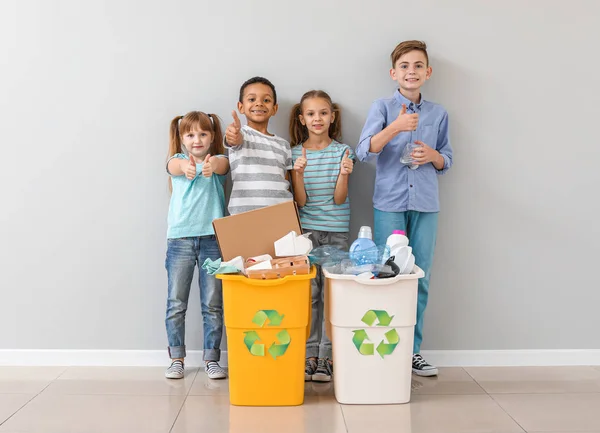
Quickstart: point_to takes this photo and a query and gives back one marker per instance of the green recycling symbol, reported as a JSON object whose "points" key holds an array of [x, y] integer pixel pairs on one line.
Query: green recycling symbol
{"points": [[361, 338], [283, 337]]}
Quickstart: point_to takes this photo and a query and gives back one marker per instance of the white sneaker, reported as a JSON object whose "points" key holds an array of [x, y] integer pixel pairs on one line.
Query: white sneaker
{"points": [[214, 370], [175, 371], [420, 367]]}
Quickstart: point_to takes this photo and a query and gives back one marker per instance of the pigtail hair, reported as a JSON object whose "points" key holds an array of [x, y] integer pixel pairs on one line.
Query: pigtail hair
{"points": [[216, 146], [174, 143], [335, 129], [174, 137], [298, 132]]}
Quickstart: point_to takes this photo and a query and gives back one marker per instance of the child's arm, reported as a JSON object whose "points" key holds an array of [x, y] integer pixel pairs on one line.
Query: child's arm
{"points": [[404, 122], [441, 155], [233, 134], [220, 164], [215, 164], [180, 167], [298, 179], [376, 135], [341, 187]]}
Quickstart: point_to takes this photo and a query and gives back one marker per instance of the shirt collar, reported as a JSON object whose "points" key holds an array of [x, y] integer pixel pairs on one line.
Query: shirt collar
{"points": [[410, 106]]}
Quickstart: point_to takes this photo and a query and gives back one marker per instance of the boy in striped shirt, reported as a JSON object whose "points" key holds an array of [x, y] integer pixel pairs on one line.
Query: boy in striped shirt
{"points": [[259, 161]]}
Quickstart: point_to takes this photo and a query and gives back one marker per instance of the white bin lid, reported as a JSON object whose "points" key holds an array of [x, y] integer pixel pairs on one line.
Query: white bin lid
{"points": [[416, 274]]}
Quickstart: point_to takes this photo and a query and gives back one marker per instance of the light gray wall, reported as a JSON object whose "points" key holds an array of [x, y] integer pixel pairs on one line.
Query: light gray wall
{"points": [[88, 90]]}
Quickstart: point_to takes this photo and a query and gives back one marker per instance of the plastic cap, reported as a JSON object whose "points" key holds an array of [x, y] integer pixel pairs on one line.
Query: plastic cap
{"points": [[365, 232], [399, 232]]}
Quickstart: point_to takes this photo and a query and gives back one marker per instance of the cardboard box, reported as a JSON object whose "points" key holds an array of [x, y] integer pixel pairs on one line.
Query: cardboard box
{"points": [[253, 233], [279, 268]]}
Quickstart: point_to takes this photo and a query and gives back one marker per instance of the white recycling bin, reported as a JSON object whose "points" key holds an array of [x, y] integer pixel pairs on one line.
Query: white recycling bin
{"points": [[371, 326]]}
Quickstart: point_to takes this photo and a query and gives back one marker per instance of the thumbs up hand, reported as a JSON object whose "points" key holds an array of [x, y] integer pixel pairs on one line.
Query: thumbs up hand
{"points": [[207, 168], [301, 162], [232, 133], [190, 169], [347, 164], [406, 122]]}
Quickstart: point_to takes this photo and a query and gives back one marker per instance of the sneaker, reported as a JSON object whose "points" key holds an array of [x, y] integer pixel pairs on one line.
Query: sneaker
{"points": [[214, 370], [324, 371], [175, 371], [309, 369], [420, 367]]}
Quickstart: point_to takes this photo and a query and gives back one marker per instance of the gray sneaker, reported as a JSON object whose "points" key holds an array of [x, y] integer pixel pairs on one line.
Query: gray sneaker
{"points": [[214, 370], [175, 371], [309, 369], [324, 371]]}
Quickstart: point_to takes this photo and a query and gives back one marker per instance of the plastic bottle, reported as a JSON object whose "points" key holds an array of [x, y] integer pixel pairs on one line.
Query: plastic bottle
{"points": [[363, 250], [396, 241]]}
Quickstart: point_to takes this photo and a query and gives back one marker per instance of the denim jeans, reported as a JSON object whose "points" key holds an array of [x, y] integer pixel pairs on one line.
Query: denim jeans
{"points": [[421, 229], [183, 255], [318, 344]]}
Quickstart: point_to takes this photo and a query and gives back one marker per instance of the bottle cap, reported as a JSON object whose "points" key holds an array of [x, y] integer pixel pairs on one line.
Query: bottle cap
{"points": [[365, 232]]}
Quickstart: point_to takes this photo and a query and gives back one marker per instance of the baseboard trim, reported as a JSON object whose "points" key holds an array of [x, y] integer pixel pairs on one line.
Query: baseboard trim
{"points": [[509, 358], [159, 358], [104, 358]]}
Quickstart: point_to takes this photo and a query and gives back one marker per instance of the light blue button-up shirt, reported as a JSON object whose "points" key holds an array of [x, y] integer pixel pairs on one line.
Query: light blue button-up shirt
{"points": [[397, 187]]}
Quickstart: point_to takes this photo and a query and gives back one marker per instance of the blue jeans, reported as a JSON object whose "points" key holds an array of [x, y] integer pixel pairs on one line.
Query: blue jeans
{"points": [[183, 255], [318, 344], [421, 229]]}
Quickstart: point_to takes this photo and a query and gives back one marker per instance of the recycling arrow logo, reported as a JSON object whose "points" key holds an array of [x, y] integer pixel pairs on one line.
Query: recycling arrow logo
{"points": [[363, 343], [251, 338]]}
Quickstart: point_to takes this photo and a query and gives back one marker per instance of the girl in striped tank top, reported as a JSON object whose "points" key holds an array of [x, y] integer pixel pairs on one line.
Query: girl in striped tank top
{"points": [[322, 167]]}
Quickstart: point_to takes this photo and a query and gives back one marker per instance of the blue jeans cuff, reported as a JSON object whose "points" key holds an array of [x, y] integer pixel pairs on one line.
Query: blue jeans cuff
{"points": [[325, 352], [211, 354], [312, 351], [176, 352]]}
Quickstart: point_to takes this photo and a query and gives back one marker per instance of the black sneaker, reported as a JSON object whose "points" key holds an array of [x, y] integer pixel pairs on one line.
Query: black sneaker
{"points": [[324, 371], [420, 367], [309, 369]]}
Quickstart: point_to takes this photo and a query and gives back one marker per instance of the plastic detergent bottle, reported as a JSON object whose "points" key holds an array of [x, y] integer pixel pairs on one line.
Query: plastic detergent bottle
{"points": [[395, 242], [363, 250]]}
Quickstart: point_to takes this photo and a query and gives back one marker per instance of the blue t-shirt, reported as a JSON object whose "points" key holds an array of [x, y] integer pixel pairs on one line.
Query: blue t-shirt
{"points": [[320, 178], [195, 203]]}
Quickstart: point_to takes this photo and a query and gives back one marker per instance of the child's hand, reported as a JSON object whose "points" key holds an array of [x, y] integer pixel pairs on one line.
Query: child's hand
{"points": [[207, 168], [190, 169], [406, 122], [424, 154], [347, 165], [232, 133], [301, 162]]}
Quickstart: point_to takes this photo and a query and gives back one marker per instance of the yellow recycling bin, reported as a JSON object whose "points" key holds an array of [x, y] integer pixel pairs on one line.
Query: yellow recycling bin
{"points": [[267, 324]]}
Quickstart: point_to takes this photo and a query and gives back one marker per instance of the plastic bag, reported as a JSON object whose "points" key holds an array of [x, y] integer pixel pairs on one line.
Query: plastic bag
{"points": [[337, 261], [327, 255]]}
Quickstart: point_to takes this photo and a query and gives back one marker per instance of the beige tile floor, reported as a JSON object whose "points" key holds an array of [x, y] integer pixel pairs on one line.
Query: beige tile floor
{"points": [[98, 399]]}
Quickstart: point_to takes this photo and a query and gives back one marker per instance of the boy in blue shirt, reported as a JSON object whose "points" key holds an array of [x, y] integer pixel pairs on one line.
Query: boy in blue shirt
{"points": [[406, 196]]}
